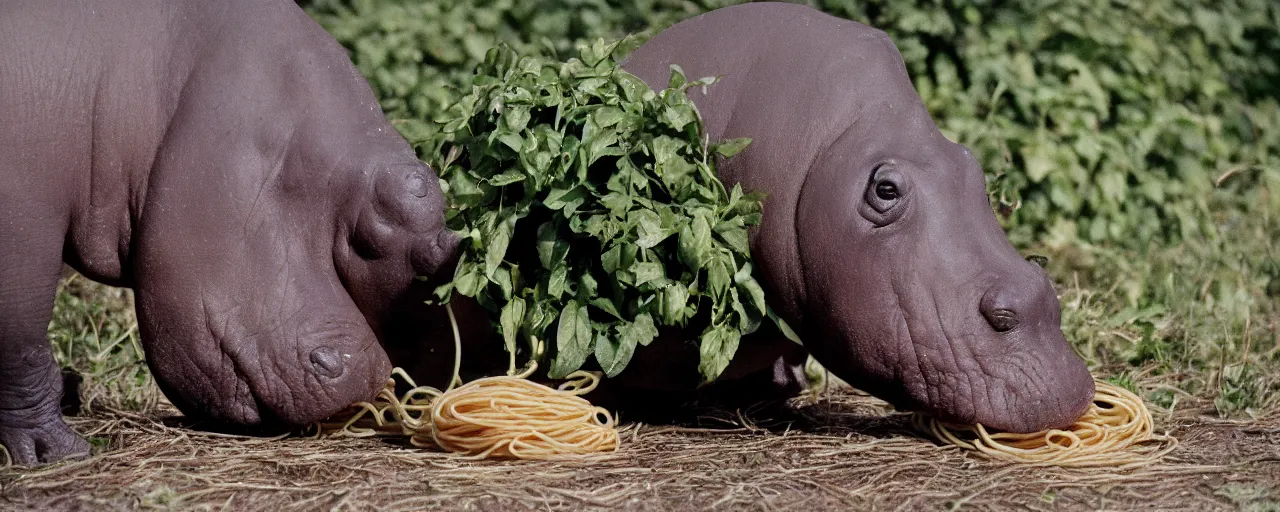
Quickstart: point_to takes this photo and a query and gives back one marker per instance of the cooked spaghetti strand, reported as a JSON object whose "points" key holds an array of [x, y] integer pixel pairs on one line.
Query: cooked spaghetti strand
{"points": [[1116, 431], [508, 417]]}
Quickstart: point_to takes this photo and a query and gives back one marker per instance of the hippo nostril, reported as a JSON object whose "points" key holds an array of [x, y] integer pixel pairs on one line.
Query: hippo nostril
{"points": [[1002, 320], [1009, 301], [327, 362]]}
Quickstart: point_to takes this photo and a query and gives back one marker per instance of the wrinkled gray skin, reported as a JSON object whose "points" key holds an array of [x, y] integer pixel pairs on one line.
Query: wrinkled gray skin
{"points": [[226, 161], [878, 242]]}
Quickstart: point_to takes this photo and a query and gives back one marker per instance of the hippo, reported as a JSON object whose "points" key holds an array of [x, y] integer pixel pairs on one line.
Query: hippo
{"points": [[227, 162], [878, 243]]}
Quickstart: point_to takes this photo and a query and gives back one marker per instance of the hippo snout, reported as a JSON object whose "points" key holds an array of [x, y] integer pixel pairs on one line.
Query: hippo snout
{"points": [[1034, 378], [338, 362], [327, 362], [1007, 301], [1056, 401]]}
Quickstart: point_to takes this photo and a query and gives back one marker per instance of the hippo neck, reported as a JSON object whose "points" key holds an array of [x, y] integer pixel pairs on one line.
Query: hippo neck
{"points": [[135, 71]]}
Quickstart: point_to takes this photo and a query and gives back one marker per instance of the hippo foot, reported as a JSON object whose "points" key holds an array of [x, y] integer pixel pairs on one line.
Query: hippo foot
{"points": [[47, 440]]}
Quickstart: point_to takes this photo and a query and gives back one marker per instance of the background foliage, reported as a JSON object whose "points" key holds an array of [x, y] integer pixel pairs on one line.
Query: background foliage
{"points": [[1112, 116]]}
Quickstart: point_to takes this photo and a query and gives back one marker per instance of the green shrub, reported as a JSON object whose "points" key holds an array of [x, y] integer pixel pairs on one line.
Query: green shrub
{"points": [[1113, 117], [416, 54], [591, 214]]}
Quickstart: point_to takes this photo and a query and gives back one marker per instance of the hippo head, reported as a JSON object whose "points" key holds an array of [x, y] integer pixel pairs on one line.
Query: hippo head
{"points": [[286, 224], [281, 316], [877, 243], [913, 291]]}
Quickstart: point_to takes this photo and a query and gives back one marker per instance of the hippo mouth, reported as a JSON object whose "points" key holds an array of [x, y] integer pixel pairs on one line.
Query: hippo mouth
{"points": [[285, 375], [1007, 393], [1020, 381], [956, 367], [335, 367]]}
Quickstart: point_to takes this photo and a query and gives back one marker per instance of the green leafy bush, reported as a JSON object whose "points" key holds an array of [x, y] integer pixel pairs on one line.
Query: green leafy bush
{"points": [[417, 54], [591, 213], [1110, 117]]}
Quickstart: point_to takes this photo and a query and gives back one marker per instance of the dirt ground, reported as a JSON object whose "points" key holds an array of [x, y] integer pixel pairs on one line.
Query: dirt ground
{"points": [[841, 452]]}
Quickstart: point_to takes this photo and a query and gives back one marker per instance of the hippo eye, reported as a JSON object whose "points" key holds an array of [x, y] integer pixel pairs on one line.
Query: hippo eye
{"points": [[886, 191]]}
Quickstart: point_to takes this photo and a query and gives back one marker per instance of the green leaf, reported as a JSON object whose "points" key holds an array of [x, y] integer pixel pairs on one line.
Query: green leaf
{"points": [[695, 242], [607, 116], [506, 178], [556, 284], [736, 238], [718, 275], [649, 230], [464, 190], [551, 248], [678, 116], [784, 328], [665, 149], [587, 285], [512, 140], [565, 199], [573, 340], [496, 245], [645, 271], [754, 293], [633, 88], [469, 279], [642, 330], [617, 203], [506, 284], [602, 144], [674, 299], [716, 348], [677, 79], [511, 320], [606, 305], [730, 147], [516, 118], [613, 354], [678, 174], [611, 258]]}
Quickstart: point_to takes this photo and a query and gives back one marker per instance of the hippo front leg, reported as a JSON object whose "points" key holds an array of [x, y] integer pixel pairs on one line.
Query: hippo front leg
{"points": [[31, 424]]}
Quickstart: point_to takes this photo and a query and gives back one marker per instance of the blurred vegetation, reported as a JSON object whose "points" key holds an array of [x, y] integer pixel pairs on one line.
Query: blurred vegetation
{"points": [[1134, 143], [94, 331], [416, 54], [1116, 116]]}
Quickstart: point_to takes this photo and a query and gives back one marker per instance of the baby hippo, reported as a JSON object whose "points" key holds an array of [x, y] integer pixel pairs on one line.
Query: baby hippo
{"points": [[227, 162], [878, 243]]}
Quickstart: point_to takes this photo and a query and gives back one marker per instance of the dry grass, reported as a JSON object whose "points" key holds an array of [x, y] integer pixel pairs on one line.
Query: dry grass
{"points": [[845, 451]]}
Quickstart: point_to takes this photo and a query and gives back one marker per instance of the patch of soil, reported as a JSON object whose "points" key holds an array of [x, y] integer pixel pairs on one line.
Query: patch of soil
{"points": [[844, 451]]}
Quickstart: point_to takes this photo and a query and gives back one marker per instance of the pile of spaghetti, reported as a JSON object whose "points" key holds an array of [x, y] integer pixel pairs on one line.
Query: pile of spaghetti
{"points": [[505, 417], [1116, 431]]}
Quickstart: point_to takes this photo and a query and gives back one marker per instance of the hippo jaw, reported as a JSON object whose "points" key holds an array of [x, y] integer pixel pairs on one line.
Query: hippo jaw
{"points": [[915, 295], [285, 347], [326, 366]]}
